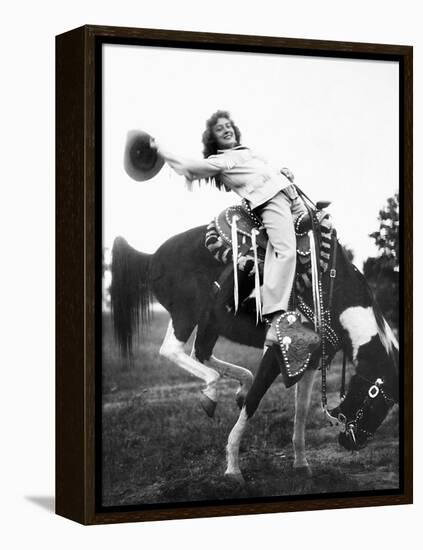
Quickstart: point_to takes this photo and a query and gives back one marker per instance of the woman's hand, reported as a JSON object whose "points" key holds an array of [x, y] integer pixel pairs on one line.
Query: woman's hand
{"points": [[156, 146], [153, 144], [288, 174]]}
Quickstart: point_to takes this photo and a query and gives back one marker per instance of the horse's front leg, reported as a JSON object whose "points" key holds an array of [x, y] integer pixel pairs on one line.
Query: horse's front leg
{"points": [[232, 449], [267, 372], [202, 349], [302, 405], [241, 374], [173, 349]]}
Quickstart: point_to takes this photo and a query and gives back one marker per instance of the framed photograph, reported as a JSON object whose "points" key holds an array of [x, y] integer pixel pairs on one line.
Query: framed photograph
{"points": [[234, 274]]}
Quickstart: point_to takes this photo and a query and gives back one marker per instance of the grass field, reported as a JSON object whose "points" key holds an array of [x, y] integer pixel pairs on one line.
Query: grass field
{"points": [[159, 445]]}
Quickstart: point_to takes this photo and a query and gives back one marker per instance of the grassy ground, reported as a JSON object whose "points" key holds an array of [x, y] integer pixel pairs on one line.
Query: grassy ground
{"points": [[159, 446]]}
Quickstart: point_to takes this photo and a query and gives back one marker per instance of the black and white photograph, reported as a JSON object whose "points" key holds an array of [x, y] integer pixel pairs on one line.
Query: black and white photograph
{"points": [[211, 260], [251, 301]]}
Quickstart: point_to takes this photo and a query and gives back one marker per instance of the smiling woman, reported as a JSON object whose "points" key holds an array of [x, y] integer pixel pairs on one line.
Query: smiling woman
{"points": [[270, 195], [221, 131]]}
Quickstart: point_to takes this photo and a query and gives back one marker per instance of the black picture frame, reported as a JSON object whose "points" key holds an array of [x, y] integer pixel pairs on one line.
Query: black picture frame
{"points": [[78, 275]]}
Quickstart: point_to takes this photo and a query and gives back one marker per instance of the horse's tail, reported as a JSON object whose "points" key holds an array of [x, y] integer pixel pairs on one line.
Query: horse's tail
{"points": [[130, 292]]}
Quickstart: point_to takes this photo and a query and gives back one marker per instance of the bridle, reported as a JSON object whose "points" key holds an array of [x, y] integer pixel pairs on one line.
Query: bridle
{"points": [[320, 317], [351, 426]]}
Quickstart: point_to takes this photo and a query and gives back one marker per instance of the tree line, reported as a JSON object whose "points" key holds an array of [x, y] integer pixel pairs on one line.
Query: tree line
{"points": [[382, 271]]}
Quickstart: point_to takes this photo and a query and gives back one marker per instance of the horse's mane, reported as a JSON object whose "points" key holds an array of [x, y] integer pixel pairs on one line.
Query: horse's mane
{"points": [[386, 335]]}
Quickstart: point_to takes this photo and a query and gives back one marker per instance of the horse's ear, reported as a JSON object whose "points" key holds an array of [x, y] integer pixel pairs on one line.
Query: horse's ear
{"points": [[321, 205]]}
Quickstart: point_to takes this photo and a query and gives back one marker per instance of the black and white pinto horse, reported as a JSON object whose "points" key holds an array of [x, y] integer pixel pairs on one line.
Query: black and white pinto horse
{"points": [[181, 275]]}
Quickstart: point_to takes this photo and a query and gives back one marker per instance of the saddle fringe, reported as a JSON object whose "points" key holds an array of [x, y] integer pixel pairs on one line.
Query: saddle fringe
{"points": [[234, 238], [236, 231], [235, 252], [256, 277]]}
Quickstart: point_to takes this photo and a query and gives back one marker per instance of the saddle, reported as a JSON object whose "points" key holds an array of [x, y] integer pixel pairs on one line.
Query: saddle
{"points": [[236, 236], [246, 221], [237, 231]]}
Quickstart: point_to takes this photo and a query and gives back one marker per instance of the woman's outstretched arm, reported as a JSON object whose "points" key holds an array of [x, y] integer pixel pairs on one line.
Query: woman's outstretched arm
{"points": [[190, 168]]}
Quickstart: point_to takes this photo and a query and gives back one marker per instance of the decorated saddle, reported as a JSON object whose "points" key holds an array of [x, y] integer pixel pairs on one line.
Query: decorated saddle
{"points": [[237, 237]]}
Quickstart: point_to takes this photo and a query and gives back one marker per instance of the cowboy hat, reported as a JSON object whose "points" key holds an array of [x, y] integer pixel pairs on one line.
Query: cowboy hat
{"points": [[141, 161]]}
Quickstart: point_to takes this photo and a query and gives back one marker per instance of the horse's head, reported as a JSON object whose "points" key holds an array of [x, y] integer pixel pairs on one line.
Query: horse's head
{"points": [[372, 392], [363, 410]]}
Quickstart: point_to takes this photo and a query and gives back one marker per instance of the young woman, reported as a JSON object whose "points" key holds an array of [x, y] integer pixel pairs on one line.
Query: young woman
{"points": [[269, 192]]}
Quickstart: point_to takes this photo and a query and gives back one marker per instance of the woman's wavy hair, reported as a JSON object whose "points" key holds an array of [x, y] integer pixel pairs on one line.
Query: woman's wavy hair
{"points": [[209, 141]]}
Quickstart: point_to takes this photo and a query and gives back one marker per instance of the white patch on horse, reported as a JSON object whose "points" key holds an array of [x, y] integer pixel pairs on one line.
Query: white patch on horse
{"points": [[173, 349], [224, 368], [304, 388], [234, 440], [360, 323]]}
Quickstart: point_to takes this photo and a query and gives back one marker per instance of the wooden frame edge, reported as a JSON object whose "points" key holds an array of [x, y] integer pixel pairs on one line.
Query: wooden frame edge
{"points": [[70, 276], [76, 273]]}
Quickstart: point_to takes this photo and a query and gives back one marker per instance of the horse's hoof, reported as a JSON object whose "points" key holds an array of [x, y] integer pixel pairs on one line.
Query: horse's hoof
{"points": [[208, 405], [303, 471], [236, 478]]}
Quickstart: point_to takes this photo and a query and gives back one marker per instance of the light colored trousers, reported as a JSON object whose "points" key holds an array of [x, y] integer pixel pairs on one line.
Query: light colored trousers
{"points": [[278, 216]]}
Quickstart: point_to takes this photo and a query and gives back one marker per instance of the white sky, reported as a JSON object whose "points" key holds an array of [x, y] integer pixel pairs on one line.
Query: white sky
{"points": [[333, 122]]}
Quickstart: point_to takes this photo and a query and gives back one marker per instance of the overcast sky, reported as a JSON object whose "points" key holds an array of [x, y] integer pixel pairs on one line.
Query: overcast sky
{"points": [[333, 122]]}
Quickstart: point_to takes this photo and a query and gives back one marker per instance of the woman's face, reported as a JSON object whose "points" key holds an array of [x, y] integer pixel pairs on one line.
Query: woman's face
{"points": [[224, 133]]}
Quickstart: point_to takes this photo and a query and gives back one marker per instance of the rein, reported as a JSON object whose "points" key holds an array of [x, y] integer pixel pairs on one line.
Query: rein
{"points": [[343, 376], [319, 309], [324, 365]]}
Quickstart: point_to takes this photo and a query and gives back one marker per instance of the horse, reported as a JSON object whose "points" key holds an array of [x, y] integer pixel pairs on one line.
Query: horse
{"points": [[186, 279]]}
